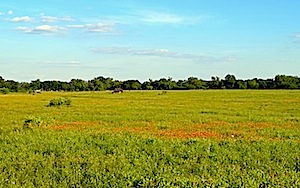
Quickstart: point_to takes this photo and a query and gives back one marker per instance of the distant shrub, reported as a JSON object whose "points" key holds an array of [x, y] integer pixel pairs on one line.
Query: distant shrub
{"points": [[4, 90], [33, 122], [163, 93], [37, 121], [59, 102]]}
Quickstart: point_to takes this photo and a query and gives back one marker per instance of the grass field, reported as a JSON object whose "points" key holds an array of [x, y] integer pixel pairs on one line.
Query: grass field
{"points": [[226, 138]]}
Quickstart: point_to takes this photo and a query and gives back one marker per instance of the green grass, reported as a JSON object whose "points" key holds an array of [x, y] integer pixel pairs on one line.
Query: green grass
{"points": [[145, 139]]}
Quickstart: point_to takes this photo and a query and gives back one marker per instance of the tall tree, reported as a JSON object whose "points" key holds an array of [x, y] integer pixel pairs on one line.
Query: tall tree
{"points": [[286, 82], [132, 85], [35, 84], [230, 81], [215, 83], [1, 82]]}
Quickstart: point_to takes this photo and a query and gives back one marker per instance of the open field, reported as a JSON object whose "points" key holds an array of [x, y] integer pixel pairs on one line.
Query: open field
{"points": [[209, 138]]}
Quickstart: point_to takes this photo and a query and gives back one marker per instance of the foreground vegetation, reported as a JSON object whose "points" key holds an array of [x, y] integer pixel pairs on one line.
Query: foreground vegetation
{"points": [[155, 139]]}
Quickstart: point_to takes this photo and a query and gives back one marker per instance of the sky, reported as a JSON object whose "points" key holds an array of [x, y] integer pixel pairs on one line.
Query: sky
{"points": [[143, 39]]}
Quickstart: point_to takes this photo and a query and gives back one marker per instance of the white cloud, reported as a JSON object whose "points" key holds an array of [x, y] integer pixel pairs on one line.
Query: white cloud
{"points": [[151, 52], [10, 12], [113, 50], [96, 28], [48, 19], [73, 63], [230, 58], [24, 29], [1, 13], [47, 28], [21, 19], [51, 19], [165, 53], [66, 18], [296, 38], [42, 29], [156, 17]]}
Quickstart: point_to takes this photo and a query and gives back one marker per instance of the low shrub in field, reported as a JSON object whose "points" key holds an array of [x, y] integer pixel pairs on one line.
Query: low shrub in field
{"points": [[33, 122], [4, 90], [59, 102], [163, 93], [36, 122]]}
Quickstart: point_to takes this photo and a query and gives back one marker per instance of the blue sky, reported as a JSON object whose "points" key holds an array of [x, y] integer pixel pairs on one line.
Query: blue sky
{"points": [[142, 39]]}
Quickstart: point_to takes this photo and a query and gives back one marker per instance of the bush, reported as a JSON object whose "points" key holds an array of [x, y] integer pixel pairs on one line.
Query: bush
{"points": [[163, 93], [59, 102], [37, 121], [33, 122], [4, 90]]}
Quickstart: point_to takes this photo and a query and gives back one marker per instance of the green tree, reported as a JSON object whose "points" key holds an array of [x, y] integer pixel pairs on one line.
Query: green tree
{"points": [[12, 85], [35, 84], [1, 81], [116, 84], [241, 84], [286, 82], [132, 85], [230, 81], [78, 85], [252, 84], [147, 85], [193, 83], [215, 83]]}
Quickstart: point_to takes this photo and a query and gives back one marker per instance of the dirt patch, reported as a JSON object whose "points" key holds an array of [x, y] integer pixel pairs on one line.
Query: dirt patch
{"points": [[185, 135], [216, 130], [168, 133]]}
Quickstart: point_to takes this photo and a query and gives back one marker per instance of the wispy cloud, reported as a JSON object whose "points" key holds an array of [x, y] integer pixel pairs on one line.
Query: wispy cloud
{"points": [[108, 25], [96, 28], [73, 63], [42, 29], [10, 12], [22, 19], [229, 58], [50, 29], [296, 38], [156, 17], [1, 13], [148, 52], [165, 53], [51, 19]]}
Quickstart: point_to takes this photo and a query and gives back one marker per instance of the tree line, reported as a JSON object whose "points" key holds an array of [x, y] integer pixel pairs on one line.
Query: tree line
{"points": [[101, 84]]}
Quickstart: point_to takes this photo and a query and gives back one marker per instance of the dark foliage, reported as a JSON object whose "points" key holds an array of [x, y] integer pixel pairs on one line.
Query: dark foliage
{"points": [[59, 102], [101, 84]]}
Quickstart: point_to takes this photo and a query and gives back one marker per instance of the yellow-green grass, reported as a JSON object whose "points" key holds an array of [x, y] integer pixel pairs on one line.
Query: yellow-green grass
{"points": [[222, 114], [225, 138]]}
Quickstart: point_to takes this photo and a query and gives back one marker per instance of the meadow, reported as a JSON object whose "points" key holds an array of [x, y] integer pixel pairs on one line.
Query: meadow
{"points": [[205, 138]]}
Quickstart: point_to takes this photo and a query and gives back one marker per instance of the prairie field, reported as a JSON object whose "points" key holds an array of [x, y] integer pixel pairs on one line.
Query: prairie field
{"points": [[206, 138]]}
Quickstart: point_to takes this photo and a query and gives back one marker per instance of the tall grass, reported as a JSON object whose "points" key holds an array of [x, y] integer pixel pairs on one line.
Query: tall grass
{"points": [[142, 139]]}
